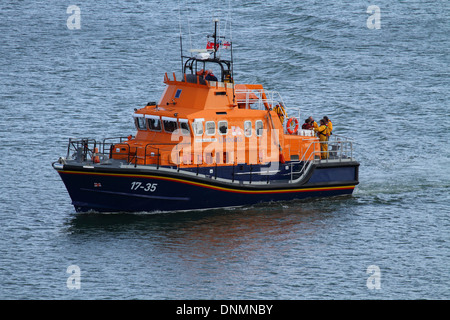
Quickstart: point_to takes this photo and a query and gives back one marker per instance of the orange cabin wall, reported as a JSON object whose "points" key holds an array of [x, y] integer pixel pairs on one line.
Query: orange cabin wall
{"points": [[201, 101]]}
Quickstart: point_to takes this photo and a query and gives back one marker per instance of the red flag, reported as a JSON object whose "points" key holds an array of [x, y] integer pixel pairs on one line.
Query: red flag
{"points": [[210, 45]]}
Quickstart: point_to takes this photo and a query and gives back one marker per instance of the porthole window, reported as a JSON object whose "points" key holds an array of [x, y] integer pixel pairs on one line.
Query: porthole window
{"points": [[248, 128], [210, 128], [197, 126], [223, 127], [259, 127], [184, 126]]}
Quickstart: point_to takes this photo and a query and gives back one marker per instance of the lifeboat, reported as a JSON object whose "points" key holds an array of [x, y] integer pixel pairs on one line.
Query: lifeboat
{"points": [[207, 143]]}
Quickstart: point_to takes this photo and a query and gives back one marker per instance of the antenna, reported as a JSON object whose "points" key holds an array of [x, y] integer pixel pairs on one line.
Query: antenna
{"points": [[232, 72], [216, 21], [181, 38]]}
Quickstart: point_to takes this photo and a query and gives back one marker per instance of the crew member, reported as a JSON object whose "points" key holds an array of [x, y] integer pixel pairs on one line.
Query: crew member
{"points": [[323, 133], [201, 73], [329, 125], [312, 122], [307, 125], [210, 76]]}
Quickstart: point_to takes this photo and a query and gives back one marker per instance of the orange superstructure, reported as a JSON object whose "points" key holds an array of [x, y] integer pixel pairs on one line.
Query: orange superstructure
{"points": [[200, 122], [207, 121]]}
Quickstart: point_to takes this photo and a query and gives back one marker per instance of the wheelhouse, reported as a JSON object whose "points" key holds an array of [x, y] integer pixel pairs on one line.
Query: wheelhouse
{"points": [[198, 66]]}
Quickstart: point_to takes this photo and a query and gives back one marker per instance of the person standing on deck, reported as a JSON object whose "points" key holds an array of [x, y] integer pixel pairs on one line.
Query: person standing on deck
{"points": [[312, 122], [307, 125], [323, 133], [329, 124]]}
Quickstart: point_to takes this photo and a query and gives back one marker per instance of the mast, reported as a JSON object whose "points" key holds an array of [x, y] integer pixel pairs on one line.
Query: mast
{"points": [[204, 55], [215, 36], [181, 37], [181, 52], [216, 21]]}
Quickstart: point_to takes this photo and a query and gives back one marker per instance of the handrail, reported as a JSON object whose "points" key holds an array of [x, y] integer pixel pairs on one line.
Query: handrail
{"points": [[339, 149], [82, 148], [306, 163], [260, 98], [158, 154]]}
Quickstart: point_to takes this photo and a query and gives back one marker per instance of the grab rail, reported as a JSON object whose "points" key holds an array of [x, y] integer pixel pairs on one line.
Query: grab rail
{"points": [[339, 149], [259, 99], [84, 149]]}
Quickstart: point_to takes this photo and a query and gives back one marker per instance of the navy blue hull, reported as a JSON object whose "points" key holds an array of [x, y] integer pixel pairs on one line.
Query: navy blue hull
{"points": [[109, 190]]}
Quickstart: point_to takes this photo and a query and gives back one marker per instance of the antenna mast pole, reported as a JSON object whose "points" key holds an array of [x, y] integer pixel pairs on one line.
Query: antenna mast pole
{"points": [[181, 38], [181, 53], [215, 37]]}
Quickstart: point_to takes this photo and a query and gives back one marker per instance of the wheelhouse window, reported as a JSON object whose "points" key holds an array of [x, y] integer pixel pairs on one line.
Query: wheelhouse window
{"points": [[184, 126], [140, 122], [248, 128], [210, 128], [154, 123], [197, 126], [259, 127], [223, 127], [169, 124]]}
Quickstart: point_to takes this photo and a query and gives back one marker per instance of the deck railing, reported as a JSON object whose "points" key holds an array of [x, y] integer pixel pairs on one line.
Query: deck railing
{"points": [[337, 149], [87, 150], [259, 99]]}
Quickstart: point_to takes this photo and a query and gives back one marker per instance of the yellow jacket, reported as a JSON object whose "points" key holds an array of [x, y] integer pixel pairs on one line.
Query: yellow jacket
{"points": [[330, 126], [323, 131]]}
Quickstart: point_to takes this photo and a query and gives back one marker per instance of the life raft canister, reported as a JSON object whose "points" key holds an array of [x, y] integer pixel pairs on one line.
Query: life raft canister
{"points": [[289, 128]]}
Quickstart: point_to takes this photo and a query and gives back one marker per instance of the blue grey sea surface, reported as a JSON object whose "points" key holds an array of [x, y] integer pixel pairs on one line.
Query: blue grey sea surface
{"points": [[387, 88]]}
